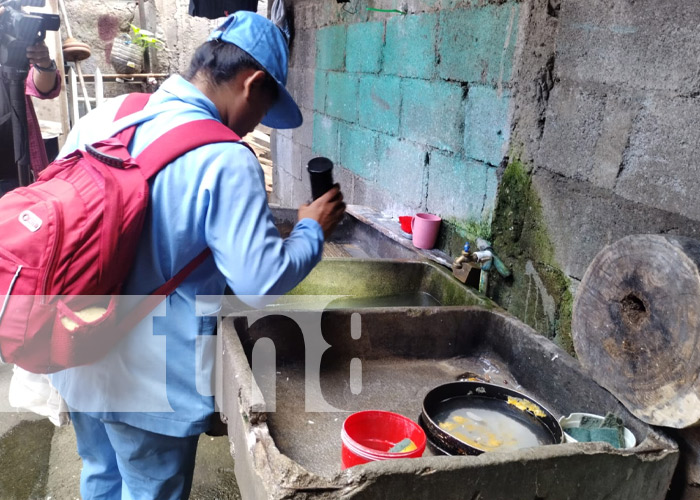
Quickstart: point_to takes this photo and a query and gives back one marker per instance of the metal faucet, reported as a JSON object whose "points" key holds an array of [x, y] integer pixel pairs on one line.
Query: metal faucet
{"points": [[485, 258], [466, 256]]}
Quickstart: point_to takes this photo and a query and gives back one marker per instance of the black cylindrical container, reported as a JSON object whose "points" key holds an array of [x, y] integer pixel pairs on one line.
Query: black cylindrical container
{"points": [[321, 175]]}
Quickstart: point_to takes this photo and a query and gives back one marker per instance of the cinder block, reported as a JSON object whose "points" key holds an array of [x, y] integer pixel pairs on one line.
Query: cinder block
{"points": [[410, 45], [295, 84], [274, 195], [305, 154], [301, 193], [419, 6], [486, 128], [456, 186], [358, 150], [330, 48], [364, 47], [660, 163], [282, 186], [574, 124], [577, 216], [325, 140], [401, 169], [302, 50], [341, 96], [304, 134], [366, 193], [312, 16], [301, 155], [308, 80], [282, 152], [432, 113], [274, 134], [380, 102], [320, 90], [477, 44], [346, 179], [327, 13], [638, 49]]}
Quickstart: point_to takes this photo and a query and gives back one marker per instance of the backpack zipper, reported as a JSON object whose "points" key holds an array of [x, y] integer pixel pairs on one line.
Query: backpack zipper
{"points": [[9, 292], [56, 245]]}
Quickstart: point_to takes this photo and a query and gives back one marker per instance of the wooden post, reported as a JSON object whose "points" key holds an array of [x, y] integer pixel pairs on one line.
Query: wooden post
{"points": [[62, 99], [99, 88], [74, 95], [145, 25]]}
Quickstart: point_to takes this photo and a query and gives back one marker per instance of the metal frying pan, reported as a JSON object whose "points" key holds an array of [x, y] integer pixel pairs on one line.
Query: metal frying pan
{"points": [[469, 418]]}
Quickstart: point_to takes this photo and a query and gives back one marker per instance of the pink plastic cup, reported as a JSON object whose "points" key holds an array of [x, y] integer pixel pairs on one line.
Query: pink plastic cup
{"points": [[425, 230]]}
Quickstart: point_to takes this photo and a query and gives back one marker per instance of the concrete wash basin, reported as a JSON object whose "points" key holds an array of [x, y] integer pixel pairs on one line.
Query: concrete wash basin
{"points": [[387, 283], [404, 352]]}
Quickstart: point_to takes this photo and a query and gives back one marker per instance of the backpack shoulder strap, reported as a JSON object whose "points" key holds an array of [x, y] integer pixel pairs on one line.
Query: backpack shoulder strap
{"points": [[145, 306], [132, 103], [176, 141], [182, 139]]}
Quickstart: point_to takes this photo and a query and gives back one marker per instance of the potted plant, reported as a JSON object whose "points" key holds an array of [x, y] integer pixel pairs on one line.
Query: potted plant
{"points": [[128, 49]]}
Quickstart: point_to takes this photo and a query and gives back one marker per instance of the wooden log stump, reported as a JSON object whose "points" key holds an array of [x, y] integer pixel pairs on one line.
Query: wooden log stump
{"points": [[636, 323]]}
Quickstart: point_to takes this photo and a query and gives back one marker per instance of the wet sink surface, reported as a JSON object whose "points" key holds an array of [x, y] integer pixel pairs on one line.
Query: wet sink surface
{"points": [[396, 385]]}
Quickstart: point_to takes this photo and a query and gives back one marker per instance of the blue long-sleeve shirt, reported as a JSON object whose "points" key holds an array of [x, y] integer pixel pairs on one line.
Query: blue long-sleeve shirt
{"points": [[211, 197]]}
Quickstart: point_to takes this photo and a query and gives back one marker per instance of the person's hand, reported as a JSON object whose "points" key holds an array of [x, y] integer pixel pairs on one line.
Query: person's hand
{"points": [[38, 55], [327, 210]]}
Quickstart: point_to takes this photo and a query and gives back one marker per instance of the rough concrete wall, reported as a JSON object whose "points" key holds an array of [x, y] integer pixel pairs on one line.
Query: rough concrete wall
{"points": [[97, 24], [590, 103], [411, 122], [605, 96]]}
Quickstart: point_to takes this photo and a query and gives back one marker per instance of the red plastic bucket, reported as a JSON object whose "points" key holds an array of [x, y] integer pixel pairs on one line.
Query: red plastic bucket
{"points": [[368, 435]]}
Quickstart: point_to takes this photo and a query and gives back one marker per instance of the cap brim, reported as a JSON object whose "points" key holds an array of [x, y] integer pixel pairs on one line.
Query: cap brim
{"points": [[284, 113]]}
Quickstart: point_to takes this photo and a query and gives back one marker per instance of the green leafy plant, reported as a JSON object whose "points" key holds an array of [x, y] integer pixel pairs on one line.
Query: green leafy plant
{"points": [[144, 38]]}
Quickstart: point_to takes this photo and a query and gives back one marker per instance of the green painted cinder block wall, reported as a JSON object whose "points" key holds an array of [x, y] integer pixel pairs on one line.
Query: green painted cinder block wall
{"points": [[417, 105]]}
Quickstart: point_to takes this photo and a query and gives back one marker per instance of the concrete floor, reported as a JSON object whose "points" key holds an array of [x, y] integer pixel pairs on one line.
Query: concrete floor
{"points": [[39, 460]]}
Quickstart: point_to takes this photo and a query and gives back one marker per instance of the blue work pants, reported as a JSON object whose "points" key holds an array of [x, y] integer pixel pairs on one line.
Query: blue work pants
{"points": [[121, 462]]}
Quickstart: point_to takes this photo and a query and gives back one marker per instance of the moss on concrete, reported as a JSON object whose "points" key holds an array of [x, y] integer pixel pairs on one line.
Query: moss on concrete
{"points": [[538, 291], [454, 232]]}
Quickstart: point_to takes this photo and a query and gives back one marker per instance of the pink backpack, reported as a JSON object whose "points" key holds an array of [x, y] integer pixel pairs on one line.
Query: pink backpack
{"points": [[68, 243]]}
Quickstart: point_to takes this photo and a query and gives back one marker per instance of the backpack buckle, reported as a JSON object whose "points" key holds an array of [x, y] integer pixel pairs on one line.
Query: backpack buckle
{"points": [[109, 160]]}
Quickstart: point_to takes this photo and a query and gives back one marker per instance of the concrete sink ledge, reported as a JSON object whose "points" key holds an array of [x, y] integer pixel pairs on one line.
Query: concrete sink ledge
{"points": [[367, 234], [281, 456]]}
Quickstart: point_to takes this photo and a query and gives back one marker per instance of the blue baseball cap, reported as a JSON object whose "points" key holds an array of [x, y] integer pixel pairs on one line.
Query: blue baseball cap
{"points": [[264, 42]]}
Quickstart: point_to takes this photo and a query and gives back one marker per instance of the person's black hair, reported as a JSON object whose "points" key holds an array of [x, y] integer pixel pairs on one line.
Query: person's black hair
{"points": [[220, 62]]}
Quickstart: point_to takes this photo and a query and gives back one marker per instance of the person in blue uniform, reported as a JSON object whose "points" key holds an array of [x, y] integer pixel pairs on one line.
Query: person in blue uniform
{"points": [[138, 412]]}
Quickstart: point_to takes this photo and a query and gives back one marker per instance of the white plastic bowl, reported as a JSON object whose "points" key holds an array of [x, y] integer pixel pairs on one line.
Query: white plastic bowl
{"points": [[574, 420]]}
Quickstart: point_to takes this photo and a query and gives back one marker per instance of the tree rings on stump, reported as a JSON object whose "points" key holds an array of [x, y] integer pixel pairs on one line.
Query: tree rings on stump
{"points": [[636, 323]]}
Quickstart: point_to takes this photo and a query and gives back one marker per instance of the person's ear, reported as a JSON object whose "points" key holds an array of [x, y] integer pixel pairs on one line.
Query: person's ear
{"points": [[254, 83]]}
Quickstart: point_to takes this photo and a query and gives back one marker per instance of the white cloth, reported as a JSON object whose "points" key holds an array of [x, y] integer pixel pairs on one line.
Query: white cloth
{"points": [[34, 392], [279, 16]]}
